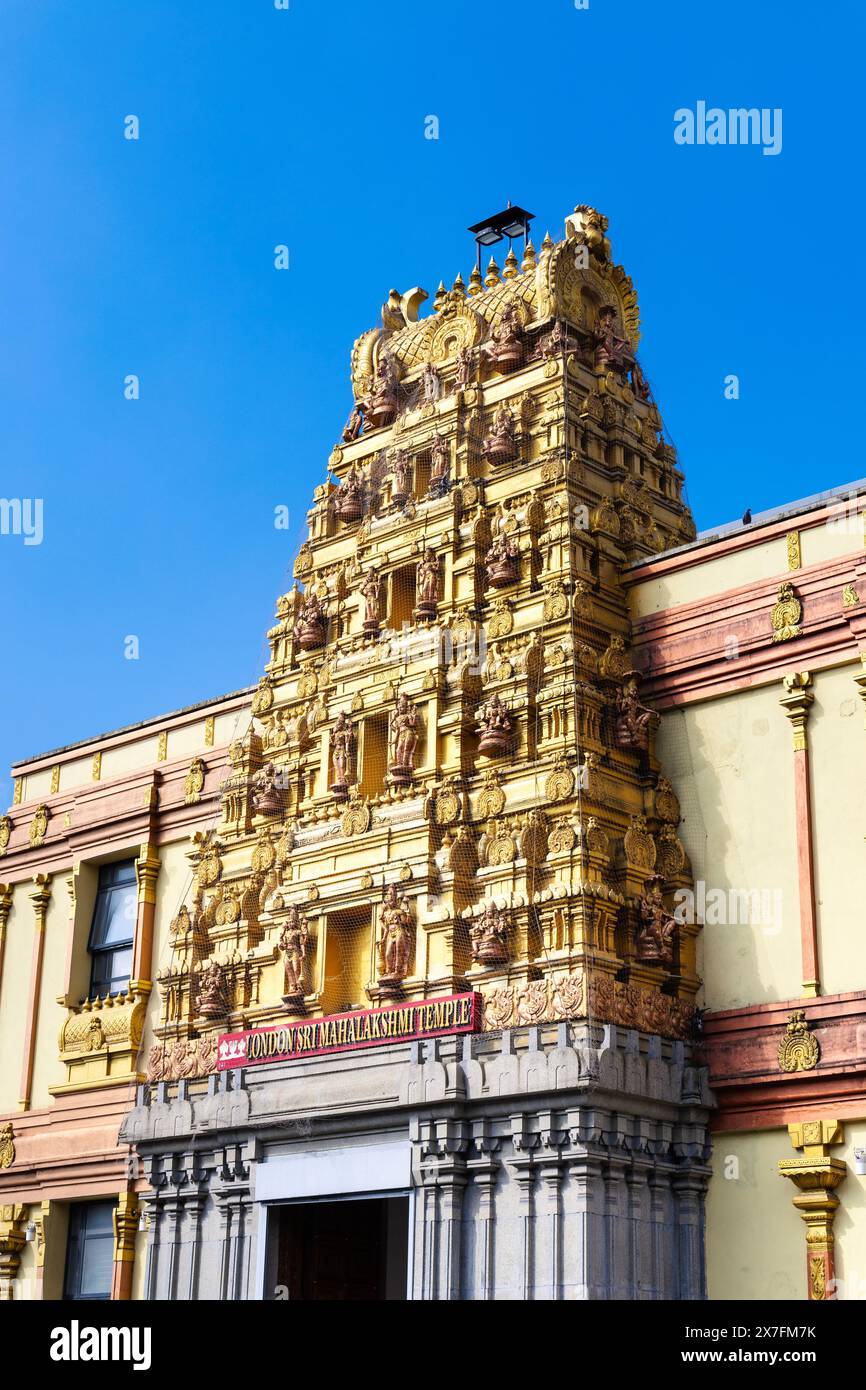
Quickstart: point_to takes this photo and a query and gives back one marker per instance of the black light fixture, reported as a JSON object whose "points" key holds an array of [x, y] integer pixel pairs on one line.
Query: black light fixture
{"points": [[511, 222]]}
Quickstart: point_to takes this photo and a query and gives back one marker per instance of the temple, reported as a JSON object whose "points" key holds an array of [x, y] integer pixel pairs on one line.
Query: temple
{"points": [[503, 919]]}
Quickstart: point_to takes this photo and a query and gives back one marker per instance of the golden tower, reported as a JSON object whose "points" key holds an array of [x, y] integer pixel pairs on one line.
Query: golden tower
{"points": [[450, 781]]}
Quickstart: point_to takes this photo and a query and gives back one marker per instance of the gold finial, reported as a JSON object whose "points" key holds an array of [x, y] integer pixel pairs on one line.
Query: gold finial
{"points": [[439, 301], [528, 262], [509, 270], [459, 286], [547, 244], [492, 279], [476, 284]]}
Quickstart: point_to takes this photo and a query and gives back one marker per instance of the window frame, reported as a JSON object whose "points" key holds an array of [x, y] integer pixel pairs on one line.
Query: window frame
{"points": [[116, 877], [76, 1248]]}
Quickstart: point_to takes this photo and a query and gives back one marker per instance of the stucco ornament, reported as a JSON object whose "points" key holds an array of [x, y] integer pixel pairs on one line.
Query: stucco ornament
{"points": [[799, 1050]]}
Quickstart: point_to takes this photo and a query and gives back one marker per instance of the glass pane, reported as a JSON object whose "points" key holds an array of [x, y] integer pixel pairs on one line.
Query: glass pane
{"points": [[111, 970], [95, 1279], [114, 917], [120, 923]]}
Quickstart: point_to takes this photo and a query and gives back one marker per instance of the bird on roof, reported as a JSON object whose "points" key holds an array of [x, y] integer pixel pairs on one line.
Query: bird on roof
{"points": [[747, 516]]}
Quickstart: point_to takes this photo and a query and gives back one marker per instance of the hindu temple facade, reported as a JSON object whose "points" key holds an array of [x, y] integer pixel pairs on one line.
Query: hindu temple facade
{"points": [[407, 1004]]}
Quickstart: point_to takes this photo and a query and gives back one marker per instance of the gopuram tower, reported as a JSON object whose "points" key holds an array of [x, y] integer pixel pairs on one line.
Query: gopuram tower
{"points": [[450, 781], [448, 791]]}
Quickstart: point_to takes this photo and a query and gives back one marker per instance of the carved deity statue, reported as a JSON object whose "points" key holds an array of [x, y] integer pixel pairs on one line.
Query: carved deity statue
{"points": [[488, 936], [502, 562], [395, 938], [402, 473], [349, 500], [431, 384], [610, 349], [500, 444], [639, 383], [403, 740], [439, 466], [293, 944], [212, 996], [311, 625], [385, 399], [495, 728], [633, 719], [372, 592], [465, 368], [427, 583], [342, 754], [655, 939], [506, 349], [354, 425], [267, 795]]}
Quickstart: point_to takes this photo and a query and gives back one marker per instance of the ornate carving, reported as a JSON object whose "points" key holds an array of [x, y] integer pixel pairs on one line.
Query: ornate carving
{"points": [[263, 697], [7, 1146], [194, 784], [342, 743], [488, 936], [267, 793], [212, 992], [495, 728], [427, 585], [500, 445], [311, 626], [633, 720], [491, 798], [799, 1049], [502, 562], [640, 850], [372, 592], [559, 784], [293, 944], [39, 826], [395, 936], [786, 614], [403, 729], [666, 802], [5, 833], [657, 934], [356, 817]]}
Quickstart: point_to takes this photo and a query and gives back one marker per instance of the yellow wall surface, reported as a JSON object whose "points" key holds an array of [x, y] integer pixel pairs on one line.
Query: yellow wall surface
{"points": [[731, 763], [711, 578], [756, 1240], [837, 741], [127, 757], [14, 992], [47, 1067]]}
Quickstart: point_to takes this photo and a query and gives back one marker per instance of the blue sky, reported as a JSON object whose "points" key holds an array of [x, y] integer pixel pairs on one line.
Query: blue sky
{"points": [[261, 126]]}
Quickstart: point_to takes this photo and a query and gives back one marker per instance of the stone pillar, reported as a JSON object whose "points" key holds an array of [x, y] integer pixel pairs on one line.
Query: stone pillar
{"points": [[125, 1218], [146, 871], [40, 898], [5, 909], [796, 701], [816, 1175], [12, 1219], [484, 1174], [689, 1189]]}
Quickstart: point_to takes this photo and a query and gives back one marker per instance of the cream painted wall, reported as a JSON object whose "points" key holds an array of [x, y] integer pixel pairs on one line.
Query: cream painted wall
{"points": [[231, 726], [47, 1067], [712, 578], [127, 757], [14, 990], [837, 742], [756, 1240], [37, 785], [839, 536], [756, 1246], [731, 764]]}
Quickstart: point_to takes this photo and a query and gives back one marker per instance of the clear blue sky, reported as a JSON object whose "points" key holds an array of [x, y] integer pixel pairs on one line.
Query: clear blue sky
{"points": [[306, 127]]}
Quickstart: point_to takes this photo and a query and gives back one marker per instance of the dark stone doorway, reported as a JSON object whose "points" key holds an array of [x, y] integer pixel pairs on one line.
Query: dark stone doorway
{"points": [[350, 1251]]}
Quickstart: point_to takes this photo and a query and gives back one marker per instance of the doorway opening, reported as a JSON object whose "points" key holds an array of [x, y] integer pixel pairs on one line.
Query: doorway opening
{"points": [[344, 1251]]}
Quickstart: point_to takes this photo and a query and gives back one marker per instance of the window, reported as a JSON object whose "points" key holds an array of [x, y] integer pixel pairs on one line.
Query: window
{"points": [[89, 1250], [111, 933]]}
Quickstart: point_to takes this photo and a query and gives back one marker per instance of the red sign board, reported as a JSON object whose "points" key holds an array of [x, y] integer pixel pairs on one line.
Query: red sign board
{"points": [[426, 1018]]}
